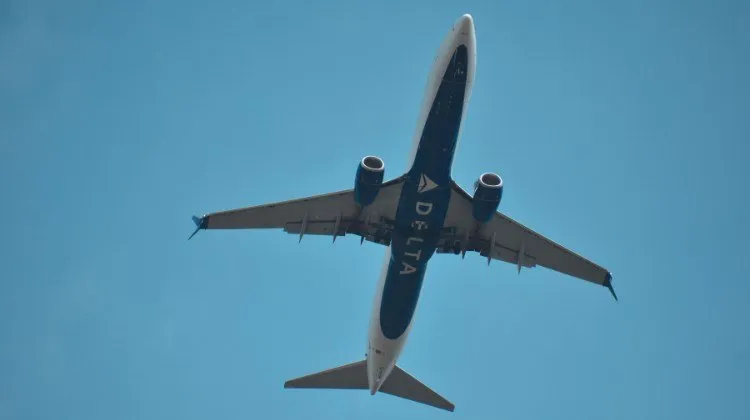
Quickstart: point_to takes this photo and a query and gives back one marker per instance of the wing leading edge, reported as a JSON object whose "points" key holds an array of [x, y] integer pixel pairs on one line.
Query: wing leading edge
{"points": [[335, 214], [504, 239]]}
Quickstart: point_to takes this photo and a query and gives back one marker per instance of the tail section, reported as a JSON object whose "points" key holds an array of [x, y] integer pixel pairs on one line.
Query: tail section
{"points": [[354, 376]]}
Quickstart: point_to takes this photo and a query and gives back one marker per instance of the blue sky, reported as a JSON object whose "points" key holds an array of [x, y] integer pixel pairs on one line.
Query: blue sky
{"points": [[620, 128]]}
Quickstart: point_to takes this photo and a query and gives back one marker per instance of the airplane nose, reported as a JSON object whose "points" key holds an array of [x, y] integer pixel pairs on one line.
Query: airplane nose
{"points": [[465, 24]]}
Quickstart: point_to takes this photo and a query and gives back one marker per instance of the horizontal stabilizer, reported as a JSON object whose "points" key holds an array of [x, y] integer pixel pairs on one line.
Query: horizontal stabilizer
{"points": [[351, 376], [401, 384], [354, 376]]}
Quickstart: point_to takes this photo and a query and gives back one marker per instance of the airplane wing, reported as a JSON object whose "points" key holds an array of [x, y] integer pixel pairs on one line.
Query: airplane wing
{"points": [[504, 239], [334, 214]]}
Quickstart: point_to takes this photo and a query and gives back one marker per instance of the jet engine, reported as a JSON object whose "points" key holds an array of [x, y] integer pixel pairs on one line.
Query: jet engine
{"points": [[488, 190], [367, 182]]}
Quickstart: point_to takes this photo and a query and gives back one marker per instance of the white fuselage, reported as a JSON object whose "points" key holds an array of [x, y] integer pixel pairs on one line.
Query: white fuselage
{"points": [[382, 352]]}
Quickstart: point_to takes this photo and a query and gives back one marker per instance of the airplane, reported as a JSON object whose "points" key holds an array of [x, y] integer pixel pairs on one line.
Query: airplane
{"points": [[416, 215]]}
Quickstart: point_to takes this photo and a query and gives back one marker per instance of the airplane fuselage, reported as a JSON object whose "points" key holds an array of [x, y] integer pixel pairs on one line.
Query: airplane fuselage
{"points": [[424, 200]]}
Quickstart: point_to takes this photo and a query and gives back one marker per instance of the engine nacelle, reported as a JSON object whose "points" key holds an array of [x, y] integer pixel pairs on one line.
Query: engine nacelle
{"points": [[488, 190], [367, 182]]}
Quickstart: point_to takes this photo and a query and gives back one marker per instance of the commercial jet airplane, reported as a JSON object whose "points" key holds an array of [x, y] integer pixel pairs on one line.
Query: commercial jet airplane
{"points": [[415, 215]]}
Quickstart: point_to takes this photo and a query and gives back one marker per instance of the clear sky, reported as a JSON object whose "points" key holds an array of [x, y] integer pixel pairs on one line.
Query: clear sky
{"points": [[621, 129]]}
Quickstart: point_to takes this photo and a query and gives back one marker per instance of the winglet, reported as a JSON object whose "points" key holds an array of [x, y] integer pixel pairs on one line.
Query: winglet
{"points": [[200, 223], [608, 284]]}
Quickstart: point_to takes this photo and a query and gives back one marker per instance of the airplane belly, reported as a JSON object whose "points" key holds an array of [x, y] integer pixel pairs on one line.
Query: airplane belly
{"points": [[455, 63], [439, 137], [382, 352], [423, 202], [399, 301]]}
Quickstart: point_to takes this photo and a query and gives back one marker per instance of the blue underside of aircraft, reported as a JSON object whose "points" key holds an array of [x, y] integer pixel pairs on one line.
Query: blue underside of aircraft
{"points": [[421, 211]]}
